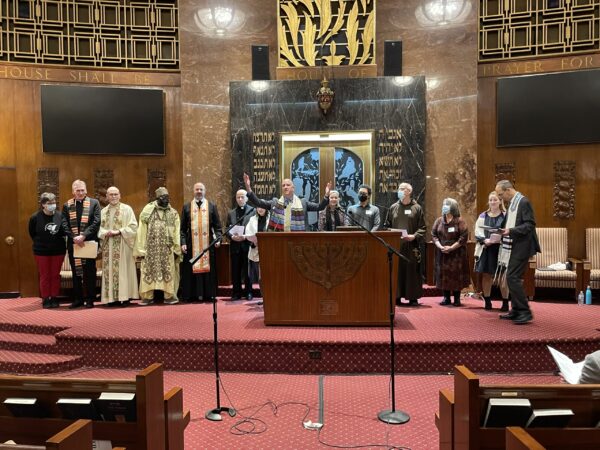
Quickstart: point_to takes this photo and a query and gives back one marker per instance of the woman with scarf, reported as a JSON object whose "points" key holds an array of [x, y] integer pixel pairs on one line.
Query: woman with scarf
{"points": [[450, 234], [47, 231], [257, 224], [332, 216], [486, 250]]}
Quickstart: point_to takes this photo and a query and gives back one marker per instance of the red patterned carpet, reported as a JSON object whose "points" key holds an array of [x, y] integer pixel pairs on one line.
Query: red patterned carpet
{"points": [[280, 403], [430, 339]]}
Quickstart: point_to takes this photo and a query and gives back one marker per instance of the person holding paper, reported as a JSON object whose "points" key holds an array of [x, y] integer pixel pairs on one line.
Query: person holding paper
{"points": [[519, 243], [157, 246], [257, 224], [118, 228], [487, 229], [364, 213], [239, 246], [450, 234], [407, 215], [47, 231], [200, 225], [590, 372], [288, 212], [82, 216], [332, 216]]}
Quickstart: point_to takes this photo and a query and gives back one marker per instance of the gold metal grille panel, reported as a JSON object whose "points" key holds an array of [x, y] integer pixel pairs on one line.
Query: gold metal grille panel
{"points": [[326, 32], [510, 29], [91, 33]]}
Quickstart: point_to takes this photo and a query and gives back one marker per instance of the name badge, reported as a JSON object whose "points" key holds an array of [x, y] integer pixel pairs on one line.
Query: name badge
{"points": [[369, 212], [451, 230], [407, 212]]}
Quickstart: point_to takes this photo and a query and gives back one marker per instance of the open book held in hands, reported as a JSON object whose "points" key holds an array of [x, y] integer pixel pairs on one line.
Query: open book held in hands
{"points": [[570, 371]]}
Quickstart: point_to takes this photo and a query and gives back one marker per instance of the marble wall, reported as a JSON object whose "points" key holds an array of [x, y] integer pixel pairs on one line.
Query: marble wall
{"points": [[445, 55], [393, 107]]}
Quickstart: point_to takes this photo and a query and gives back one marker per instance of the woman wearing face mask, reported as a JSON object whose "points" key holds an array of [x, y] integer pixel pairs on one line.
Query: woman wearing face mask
{"points": [[488, 245], [47, 231], [332, 216], [258, 223], [450, 236]]}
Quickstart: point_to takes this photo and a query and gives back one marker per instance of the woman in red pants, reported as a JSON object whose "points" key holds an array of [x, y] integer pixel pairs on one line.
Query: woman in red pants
{"points": [[47, 231]]}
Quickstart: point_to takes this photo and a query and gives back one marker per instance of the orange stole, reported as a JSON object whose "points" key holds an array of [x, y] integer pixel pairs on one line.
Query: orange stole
{"points": [[200, 235]]}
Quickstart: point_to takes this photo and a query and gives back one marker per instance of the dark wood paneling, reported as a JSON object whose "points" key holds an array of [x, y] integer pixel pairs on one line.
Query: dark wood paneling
{"points": [[21, 147], [534, 172]]}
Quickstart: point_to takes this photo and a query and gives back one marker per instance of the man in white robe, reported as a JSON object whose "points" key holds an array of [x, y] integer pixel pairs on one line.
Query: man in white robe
{"points": [[118, 228]]}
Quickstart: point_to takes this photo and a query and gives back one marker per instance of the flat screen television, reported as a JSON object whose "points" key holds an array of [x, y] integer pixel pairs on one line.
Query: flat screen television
{"points": [[547, 109], [102, 120]]}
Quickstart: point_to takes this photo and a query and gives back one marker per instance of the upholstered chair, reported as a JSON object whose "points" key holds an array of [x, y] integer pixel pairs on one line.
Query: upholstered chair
{"points": [[591, 265]]}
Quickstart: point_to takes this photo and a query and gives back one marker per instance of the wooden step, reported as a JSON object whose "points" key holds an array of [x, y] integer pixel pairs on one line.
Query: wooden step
{"points": [[36, 363]]}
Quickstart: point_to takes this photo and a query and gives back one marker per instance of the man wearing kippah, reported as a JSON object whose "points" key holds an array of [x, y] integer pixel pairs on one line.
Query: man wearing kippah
{"points": [[157, 245]]}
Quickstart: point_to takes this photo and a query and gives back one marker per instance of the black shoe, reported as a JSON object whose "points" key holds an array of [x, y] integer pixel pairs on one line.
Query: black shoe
{"points": [[488, 303], [457, 303], [89, 304], [446, 302], [413, 303], [46, 303], [249, 296], [523, 318], [504, 307], [235, 297], [76, 304], [125, 304], [54, 302], [510, 316]]}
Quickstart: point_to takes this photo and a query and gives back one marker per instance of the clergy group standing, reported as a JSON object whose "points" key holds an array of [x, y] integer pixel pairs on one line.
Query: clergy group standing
{"points": [[200, 226], [157, 246], [118, 229]]}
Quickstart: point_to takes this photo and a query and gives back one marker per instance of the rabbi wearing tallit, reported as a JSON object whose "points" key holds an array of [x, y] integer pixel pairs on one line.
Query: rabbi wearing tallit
{"points": [[519, 243]]}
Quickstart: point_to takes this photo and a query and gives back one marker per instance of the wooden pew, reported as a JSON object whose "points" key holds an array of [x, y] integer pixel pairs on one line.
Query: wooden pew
{"points": [[77, 436], [469, 403], [149, 432]]}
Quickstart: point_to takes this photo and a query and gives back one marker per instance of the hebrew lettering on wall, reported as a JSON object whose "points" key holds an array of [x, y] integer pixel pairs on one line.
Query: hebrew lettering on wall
{"points": [[264, 163], [388, 156]]}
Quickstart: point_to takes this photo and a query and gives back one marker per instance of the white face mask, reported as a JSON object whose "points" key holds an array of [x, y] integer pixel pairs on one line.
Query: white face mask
{"points": [[400, 195], [51, 207]]}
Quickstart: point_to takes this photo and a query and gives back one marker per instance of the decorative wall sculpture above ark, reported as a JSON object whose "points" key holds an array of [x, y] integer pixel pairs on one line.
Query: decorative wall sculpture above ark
{"points": [[564, 189], [326, 32], [47, 181], [506, 171]]}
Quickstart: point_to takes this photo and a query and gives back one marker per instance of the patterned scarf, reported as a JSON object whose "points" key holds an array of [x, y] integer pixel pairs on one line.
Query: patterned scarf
{"points": [[76, 228], [200, 228], [287, 219], [506, 247]]}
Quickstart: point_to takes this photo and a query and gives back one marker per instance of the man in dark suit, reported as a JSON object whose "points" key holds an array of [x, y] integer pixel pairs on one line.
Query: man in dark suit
{"points": [[200, 225], [519, 243], [238, 250], [82, 221]]}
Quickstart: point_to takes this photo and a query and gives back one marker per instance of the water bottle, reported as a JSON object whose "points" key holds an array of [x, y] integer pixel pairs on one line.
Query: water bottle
{"points": [[580, 298], [588, 296]]}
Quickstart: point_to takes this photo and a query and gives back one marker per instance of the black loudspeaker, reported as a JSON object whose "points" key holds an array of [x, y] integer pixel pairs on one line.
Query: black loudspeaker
{"points": [[260, 62], [392, 59]]}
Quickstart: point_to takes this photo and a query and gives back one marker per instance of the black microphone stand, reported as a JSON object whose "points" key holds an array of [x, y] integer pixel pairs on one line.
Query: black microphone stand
{"points": [[390, 416], [215, 414]]}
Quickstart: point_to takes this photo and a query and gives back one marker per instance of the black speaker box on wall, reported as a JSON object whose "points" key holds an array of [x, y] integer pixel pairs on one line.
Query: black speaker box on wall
{"points": [[392, 59], [260, 62]]}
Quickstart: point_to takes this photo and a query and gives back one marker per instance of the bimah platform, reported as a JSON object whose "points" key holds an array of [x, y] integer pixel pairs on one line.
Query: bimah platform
{"points": [[326, 278]]}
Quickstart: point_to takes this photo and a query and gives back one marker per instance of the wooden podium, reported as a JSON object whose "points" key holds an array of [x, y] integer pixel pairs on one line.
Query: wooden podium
{"points": [[326, 278]]}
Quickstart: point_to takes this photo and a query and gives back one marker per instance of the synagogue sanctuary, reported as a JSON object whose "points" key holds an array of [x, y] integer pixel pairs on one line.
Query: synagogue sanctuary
{"points": [[300, 224]]}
